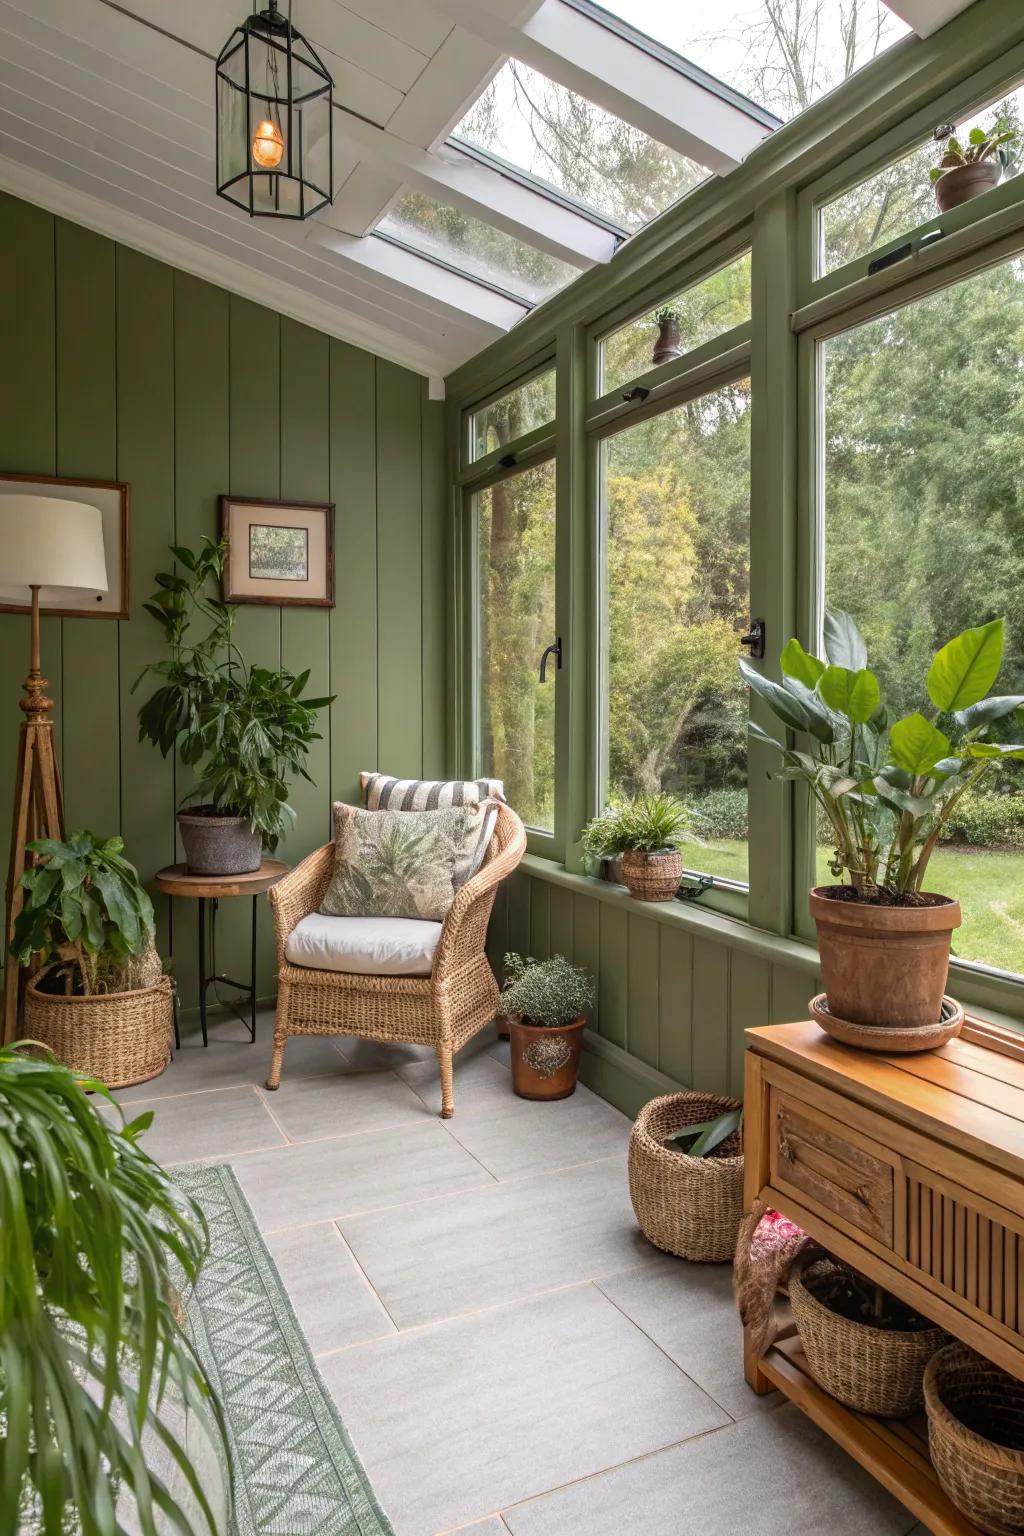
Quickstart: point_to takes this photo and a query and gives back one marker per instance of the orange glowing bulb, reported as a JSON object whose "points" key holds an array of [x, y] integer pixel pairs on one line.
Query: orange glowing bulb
{"points": [[268, 145]]}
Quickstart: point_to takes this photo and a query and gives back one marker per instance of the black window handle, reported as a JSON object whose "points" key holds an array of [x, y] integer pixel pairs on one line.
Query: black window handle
{"points": [[755, 638], [554, 650]]}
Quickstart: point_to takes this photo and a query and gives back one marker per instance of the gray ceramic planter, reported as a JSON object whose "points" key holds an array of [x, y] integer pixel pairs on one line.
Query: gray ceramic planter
{"points": [[219, 845]]}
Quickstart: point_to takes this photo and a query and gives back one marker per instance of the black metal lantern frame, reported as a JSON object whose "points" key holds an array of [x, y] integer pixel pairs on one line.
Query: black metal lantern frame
{"points": [[275, 140]]}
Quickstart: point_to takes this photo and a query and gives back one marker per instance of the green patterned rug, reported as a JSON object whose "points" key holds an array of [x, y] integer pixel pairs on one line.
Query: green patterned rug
{"points": [[296, 1470]]}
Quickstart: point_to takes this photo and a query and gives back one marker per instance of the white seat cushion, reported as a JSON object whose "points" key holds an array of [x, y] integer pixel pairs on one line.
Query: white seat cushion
{"points": [[364, 946]]}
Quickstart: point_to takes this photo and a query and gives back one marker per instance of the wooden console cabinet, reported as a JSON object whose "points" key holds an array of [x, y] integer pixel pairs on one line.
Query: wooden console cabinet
{"points": [[910, 1168]]}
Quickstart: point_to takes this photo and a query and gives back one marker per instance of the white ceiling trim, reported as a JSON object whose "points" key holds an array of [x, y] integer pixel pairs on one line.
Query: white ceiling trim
{"points": [[927, 16], [85, 207], [579, 53]]}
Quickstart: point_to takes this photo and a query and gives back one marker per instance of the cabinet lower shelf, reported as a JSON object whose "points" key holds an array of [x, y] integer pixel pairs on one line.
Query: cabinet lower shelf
{"points": [[893, 1451]]}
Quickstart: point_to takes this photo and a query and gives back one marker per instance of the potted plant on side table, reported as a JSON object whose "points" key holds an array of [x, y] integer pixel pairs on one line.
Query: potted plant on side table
{"points": [[101, 1002], [245, 730], [545, 1003], [888, 789]]}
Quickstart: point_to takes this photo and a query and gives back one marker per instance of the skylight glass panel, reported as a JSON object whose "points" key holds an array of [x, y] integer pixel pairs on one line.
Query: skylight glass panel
{"points": [[782, 54], [478, 249], [563, 139]]}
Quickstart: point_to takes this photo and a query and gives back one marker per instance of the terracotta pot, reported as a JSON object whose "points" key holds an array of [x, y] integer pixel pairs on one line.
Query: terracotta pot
{"points": [[652, 876], [218, 845], [667, 345], [884, 965], [962, 182], [545, 1062]]}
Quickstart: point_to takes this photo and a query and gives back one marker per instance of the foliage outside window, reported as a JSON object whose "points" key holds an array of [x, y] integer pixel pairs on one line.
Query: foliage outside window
{"points": [[901, 197], [924, 533], [702, 312], [515, 523], [519, 411], [677, 510]]}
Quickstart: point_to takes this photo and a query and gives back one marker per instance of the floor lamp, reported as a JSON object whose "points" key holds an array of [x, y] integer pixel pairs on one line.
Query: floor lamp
{"points": [[54, 546]]}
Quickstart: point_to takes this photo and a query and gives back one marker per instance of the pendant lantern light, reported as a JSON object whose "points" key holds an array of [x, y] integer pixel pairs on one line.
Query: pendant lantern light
{"points": [[275, 153]]}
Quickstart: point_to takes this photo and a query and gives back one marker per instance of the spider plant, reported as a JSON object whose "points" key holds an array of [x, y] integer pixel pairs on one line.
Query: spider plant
{"points": [[91, 1231]]}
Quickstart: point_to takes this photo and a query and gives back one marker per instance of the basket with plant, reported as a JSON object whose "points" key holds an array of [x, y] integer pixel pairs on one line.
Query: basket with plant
{"points": [[101, 1001], [546, 1003], [645, 833], [686, 1174]]}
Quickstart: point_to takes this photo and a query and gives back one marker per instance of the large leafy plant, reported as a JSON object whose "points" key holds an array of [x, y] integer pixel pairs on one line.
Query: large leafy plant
{"points": [[246, 730], [84, 903], [889, 788], [91, 1232]]}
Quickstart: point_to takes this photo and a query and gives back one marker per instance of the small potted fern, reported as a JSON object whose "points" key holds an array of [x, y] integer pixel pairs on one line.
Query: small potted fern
{"points": [[645, 834], [546, 1004]]}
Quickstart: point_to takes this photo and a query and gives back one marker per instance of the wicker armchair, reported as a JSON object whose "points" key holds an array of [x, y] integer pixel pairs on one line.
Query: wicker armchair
{"points": [[443, 1010]]}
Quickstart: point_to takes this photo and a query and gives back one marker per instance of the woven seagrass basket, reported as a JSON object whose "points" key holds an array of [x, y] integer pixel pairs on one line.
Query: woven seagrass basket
{"points": [[875, 1370], [119, 1037], [689, 1206], [976, 1438], [652, 876]]}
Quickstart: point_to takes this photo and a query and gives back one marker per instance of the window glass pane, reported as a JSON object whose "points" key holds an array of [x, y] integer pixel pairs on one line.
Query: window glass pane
{"points": [[516, 583], [575, 146], [901, 196], [527, 406], [677, 505], [476, 248], [702, 312], [783, 54], [924, 537]]}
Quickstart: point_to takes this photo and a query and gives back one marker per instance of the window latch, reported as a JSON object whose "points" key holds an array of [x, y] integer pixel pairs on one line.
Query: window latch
{"points": [[636, 393], [755, 638], [554, 650], [508, 461]]}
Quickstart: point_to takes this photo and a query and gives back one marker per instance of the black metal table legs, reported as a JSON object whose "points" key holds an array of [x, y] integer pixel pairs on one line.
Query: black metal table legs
{"points": [[211, 978]]}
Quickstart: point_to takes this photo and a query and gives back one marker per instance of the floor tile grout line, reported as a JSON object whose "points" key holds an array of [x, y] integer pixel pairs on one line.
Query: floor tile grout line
{"points": [[262, 1098], [662, 1350], [369, 1283]]}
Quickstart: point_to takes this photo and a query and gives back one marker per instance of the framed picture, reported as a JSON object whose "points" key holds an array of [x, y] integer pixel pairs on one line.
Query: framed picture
{"points": [[279, 552], [111, 497]]}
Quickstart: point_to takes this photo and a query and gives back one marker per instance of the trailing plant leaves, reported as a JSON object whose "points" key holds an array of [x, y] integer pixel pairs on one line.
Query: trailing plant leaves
{"points": [[797, 663], [853, 694], [844, 643], [963, 671], [916, 744]]}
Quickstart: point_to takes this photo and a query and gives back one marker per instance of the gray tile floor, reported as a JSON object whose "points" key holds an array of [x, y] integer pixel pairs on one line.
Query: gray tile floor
{"points": [[509, 1354]]}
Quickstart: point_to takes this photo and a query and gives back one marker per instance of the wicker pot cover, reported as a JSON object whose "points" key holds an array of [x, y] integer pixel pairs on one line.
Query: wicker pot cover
{"points": [[690, 1206], [875, 1370], [119, 1037], [976, 1438], [652, 876]]}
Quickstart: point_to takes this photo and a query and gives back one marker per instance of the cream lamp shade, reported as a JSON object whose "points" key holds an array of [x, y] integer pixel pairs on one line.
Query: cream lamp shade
{"points": [[46, 542]]}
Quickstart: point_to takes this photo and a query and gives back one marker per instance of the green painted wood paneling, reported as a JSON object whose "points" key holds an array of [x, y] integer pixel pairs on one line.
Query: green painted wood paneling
{"points": [[710, 1015], [519, 891], [353, 621], [749, 1005], [560, 923], [586, 942], [644, 1023], [399, 593], [675, 1005], [540, 921], [613, 974], [791, 992], [116, 366], [86, 334]]}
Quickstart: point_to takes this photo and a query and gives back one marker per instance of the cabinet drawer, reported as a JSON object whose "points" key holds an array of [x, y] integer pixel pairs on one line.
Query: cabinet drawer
{"points": [[837, 1171]]}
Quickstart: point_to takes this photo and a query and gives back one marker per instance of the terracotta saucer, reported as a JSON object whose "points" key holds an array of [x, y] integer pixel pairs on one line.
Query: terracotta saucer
{"points": [[877, 1037]]}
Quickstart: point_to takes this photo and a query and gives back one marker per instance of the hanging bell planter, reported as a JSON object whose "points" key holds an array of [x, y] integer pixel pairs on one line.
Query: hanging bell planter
{"points": [[275, 152]]}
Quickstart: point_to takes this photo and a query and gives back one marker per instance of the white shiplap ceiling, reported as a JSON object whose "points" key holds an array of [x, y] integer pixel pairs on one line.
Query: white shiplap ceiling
{"points": [[107, 117]]}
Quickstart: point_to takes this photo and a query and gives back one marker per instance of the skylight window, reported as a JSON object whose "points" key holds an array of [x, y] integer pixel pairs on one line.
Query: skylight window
{"points": [[585, 153], [782, 54], [443, 233]]}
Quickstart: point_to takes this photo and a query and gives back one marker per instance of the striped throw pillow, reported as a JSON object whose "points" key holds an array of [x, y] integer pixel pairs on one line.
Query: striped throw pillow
{"points": [[384, 793]]}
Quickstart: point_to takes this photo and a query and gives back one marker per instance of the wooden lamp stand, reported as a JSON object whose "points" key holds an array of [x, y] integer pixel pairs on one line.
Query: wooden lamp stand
{"points": [[38, 809]]}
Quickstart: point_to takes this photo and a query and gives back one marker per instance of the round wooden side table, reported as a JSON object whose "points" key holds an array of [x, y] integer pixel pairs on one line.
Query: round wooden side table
{"points": [[175, 880]]}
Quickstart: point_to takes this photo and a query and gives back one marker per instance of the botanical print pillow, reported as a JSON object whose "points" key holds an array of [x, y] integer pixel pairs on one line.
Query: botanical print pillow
{"points": [[402, 863]]}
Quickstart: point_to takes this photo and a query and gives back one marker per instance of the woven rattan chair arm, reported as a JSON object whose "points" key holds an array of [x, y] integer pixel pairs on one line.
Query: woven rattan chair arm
{"points": [[300, 893], [465, 927]]}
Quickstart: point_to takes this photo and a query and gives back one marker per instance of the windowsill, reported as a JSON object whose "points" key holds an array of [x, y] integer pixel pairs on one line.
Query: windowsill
{"points": [[996, 998]]}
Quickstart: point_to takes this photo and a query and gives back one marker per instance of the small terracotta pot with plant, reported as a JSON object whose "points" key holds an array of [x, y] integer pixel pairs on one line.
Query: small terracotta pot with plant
{"points": [[545, 1003], [967, 170], [888, 788], [644, 834]]}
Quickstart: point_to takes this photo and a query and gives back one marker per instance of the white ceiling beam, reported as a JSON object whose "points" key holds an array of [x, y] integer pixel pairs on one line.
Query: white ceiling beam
{"points": [[403, 271], [452, 177], [578, 52], [927, 16]]}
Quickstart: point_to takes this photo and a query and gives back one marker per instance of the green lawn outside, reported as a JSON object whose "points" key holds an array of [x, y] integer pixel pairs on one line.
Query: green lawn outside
{"points": [[989, 887]]}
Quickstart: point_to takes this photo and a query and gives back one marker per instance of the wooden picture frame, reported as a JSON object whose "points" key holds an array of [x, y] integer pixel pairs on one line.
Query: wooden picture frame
{"points": [[112, 500], [294, 540]]}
